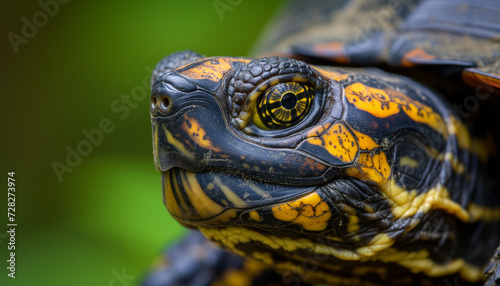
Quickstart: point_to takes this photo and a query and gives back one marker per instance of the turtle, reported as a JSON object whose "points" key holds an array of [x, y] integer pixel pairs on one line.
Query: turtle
{"points": [[357, 147]]}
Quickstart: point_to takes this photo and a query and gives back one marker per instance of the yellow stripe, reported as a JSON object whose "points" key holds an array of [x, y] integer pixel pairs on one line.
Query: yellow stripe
{"points": [[156, 142], [232, 197], [259, 191], [406, 204], [406, 161], [231, 236], [202, 204], [378, 249], [177, 144], [484, 213], [172, 204], [181, 202], [378, 243], [419, 261]]}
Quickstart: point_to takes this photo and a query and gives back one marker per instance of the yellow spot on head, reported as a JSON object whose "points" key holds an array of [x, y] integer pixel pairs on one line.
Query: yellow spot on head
{"points": [[372, 167], [310, 211], [338, 141], [365, 142], [406, 161], [318, 130], [255, 216], [384, 103]]}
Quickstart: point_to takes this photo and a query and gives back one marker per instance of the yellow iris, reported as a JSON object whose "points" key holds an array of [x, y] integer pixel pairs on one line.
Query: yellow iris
{"points": [[283, 105]]}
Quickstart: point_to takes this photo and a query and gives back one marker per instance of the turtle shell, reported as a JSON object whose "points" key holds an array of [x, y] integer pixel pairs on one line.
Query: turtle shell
{"points": [[456, 38]]}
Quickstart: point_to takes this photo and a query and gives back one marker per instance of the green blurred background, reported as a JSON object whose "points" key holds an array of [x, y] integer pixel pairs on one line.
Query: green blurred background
{"points": [[106, 216]]}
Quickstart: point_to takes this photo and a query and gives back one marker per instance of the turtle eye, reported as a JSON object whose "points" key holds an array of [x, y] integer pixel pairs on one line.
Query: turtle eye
{"points": [[283, 105]]}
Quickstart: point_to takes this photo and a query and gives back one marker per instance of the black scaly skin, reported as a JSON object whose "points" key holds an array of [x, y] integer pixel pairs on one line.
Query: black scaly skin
{"points": [[255, 72], [195, 261], [492, 272]]}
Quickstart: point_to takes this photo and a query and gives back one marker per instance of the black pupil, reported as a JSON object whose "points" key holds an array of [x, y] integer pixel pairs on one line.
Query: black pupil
{"points": [[288, 101]]}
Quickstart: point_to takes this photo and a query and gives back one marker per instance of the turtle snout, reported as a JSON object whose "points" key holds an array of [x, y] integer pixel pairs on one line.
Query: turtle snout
{"points": [[167, 93], [160, 104]]}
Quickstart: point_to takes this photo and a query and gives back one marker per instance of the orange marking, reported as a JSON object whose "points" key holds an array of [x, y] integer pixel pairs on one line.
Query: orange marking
{"points": [[417, 54], [339, 142], [492, 80], [331, 50], [333, 74], [384, 103], [318, 130], [196, 132], [373, 168], [365, 142], [209, 69], [480, 79], [310, 211], [381, 165], [311, 164], [365, 159]]}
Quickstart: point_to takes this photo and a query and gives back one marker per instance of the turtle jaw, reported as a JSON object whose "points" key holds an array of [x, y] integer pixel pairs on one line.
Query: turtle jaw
{"points": [[213, 181], [215, 199]]}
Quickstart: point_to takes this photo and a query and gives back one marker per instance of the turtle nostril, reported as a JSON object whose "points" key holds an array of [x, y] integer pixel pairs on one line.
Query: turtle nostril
{"points": [[165, 102], [153, 102]]}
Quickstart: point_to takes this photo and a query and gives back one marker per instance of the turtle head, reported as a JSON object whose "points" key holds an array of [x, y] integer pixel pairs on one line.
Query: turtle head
{"points": [[284, 162], [234, 134]]}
